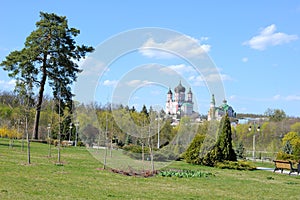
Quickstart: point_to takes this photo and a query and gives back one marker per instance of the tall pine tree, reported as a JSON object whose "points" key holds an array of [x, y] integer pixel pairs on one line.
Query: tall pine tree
{"points": [[50, 54]]}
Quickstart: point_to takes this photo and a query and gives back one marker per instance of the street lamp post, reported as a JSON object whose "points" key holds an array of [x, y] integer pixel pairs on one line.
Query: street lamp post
{"points": [[70, 127], [76, 135], [254, 135], [49, 139], [21, 123], [158, 139]]}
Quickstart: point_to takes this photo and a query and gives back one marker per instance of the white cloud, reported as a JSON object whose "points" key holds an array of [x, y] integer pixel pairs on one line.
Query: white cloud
{"points": [[110, 82], [293, 98], [233, 97], [286, 98], [245, 59], [168, 71], [91, 67], [269, 37], [182, 68], [216, 77], [277, 97], [196, 78], [185, 46], [199, 80], [8, 85], [135, 98], [203, 39], [135, 83]]}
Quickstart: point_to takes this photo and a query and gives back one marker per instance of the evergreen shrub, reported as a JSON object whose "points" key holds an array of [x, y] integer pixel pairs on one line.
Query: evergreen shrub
{"points": [[238, 165]]}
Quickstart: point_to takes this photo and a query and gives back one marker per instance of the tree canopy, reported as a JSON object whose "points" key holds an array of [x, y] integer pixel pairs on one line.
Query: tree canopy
{"points": [[275, 115]]}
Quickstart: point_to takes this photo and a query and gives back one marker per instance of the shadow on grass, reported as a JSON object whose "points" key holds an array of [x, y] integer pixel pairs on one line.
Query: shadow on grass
{"points": [[13, 146]]}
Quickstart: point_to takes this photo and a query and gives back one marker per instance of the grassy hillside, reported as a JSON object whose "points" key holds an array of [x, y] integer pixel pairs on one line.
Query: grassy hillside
{"points": [[81, 177]]}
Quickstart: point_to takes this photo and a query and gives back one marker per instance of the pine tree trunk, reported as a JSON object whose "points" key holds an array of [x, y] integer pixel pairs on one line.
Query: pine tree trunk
{"points": [[39, 104]]}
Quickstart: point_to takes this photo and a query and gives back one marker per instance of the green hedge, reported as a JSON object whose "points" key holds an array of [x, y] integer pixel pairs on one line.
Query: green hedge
{"points": [[238, 165]]}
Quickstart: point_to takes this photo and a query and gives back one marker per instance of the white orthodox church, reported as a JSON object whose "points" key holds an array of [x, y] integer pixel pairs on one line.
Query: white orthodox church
{"points": [[179, 106]]}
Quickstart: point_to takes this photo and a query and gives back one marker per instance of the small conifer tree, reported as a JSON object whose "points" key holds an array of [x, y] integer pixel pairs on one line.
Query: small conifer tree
{"points": [[240, 151], [287, 148], [191, 155], [222, 150]]}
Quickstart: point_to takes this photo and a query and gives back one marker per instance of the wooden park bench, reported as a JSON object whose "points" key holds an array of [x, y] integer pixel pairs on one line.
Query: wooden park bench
{"points": [[285, 164]]}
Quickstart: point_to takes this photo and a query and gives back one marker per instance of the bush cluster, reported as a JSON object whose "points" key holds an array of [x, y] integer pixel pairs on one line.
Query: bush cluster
{"points": [[238, 165], [135, 149], [184, 174], [222, 149], [135, 152], [164, 156], [285, 156]]}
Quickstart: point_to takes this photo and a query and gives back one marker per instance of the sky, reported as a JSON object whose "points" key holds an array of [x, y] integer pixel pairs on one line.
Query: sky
{"points": [[252, 49]]}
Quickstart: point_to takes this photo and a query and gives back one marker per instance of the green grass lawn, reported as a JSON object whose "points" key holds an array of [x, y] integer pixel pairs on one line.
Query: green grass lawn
{"points": [[81, 177]]}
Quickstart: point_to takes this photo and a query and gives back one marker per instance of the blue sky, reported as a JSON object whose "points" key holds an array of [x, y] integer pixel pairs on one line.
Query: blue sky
{"points": [[255, 46]]}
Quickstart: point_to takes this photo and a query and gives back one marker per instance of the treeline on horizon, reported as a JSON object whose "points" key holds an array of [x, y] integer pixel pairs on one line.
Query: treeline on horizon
{"points": [[274, 124], [12, 100]]}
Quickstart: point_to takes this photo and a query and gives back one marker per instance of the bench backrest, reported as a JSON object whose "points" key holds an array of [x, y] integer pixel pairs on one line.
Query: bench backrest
{"points": [[283, 164]]}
